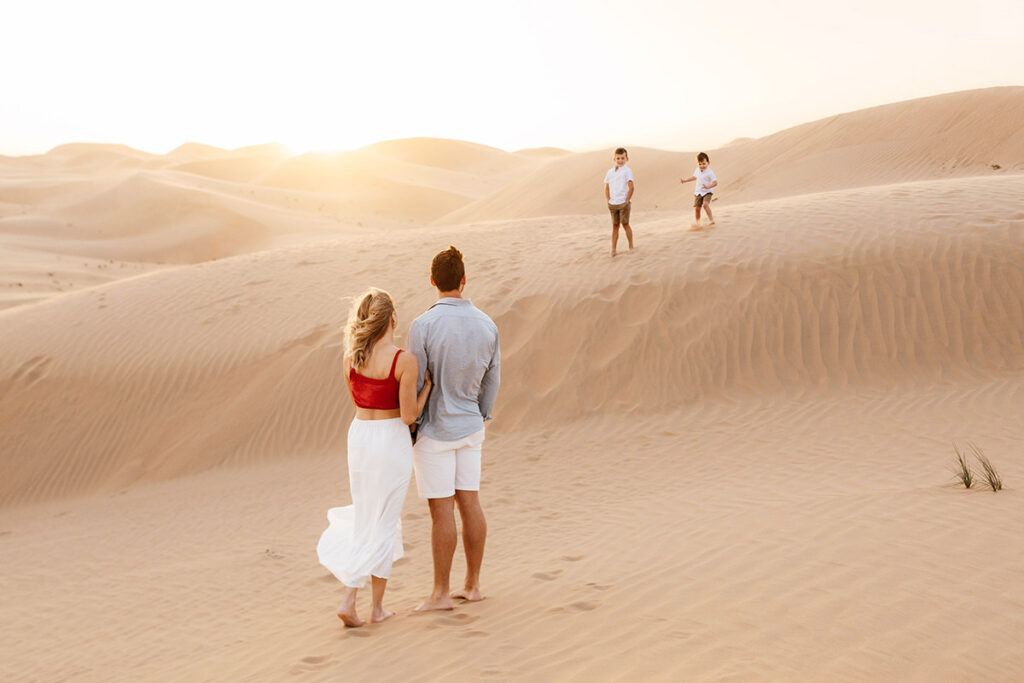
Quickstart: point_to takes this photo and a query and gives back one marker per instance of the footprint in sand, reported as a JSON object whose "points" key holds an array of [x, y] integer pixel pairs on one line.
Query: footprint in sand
{"points": [[572, 558], [308, 664], [475, 634], [31, 370], [578, 606], [356, 633], [548, 576], [460, 619]]}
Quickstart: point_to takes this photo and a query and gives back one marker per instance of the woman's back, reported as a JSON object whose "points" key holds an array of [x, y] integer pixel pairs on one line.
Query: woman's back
{"points": [[375, 387]]}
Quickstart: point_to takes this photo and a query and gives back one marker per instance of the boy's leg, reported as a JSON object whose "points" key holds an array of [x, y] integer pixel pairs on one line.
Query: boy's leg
{"points": [[625, 222], [615, 237], [707, 209]]}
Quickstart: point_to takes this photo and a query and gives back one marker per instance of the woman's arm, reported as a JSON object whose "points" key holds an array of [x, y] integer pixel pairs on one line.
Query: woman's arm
{"points": [[411, 403], [348, 383]]}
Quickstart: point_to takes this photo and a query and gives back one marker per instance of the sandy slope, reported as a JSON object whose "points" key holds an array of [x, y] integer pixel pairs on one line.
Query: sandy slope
{"points": [[958, 134], [810, 294], [133, 211], [724, 456]]}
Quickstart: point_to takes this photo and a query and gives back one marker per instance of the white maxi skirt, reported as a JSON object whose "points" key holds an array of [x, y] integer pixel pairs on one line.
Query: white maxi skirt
{"points": [[364, 538]]}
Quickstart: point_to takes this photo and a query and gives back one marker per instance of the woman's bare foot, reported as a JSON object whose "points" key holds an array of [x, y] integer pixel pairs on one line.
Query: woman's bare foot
{"points": [[435, 603], [468, 594], [347, 613], [380, 615]]}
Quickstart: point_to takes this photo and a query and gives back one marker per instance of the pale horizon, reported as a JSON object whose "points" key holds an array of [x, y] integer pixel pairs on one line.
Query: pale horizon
{"points": [[324, 77]]}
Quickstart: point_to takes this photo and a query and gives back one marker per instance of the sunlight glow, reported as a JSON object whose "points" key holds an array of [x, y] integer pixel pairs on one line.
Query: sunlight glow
{"points": [[574, 74]]}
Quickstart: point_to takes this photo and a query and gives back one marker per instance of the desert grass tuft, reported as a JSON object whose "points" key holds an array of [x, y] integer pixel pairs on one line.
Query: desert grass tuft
{"points": [[962, 469], [991, 475]]}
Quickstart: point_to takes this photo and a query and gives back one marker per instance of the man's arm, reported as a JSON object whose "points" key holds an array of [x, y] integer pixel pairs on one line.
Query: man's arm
{"points": [[418, 348], [491, 380]]}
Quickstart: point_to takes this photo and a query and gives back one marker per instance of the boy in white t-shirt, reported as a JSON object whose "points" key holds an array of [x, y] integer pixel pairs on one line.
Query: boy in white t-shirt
{"points": [[706, 181], [618, 190]]}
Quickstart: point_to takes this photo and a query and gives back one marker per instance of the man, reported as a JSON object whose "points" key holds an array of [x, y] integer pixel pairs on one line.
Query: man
{"points": [[459, 345]]}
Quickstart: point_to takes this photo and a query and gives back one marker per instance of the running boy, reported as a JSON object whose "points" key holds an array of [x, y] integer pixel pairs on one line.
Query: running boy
{"points": [[618, 190], [706, 181]]}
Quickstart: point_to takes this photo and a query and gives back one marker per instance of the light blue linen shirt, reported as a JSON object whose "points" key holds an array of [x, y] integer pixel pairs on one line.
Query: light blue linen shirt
{"points": [[458, 343]]}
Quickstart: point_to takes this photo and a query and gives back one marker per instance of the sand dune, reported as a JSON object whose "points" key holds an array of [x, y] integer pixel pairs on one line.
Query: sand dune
{"points": [[959, 134], [723, 456], [797, 295], [198, 202]]}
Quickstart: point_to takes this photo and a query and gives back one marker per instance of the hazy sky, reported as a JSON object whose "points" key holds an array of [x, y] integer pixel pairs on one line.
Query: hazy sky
{"points": [[575, 73]]}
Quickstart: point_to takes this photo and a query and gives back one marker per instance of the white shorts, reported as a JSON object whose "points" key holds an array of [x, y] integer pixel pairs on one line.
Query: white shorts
{"points": [[442, 467]]}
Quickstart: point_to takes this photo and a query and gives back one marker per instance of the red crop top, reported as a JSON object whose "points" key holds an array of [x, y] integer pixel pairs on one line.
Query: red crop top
{"points": [[375, 394]]}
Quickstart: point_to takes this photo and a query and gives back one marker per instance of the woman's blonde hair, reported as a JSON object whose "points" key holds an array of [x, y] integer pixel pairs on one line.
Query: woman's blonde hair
{"points": [[367, 323]]}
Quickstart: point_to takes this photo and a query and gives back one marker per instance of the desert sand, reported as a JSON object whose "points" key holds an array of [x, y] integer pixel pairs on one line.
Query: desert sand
{"points": [[724, 456]]}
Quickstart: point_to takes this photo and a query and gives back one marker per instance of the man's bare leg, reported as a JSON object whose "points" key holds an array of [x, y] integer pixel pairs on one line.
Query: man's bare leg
{"points": [[347, 608], [615, 237], [629, 234], [443, 538], [378, 615], [474, 537]]}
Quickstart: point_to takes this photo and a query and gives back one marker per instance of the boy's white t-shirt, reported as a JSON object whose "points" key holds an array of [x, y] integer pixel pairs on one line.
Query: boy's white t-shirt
{"points": [[618, 184], [703, 177]]}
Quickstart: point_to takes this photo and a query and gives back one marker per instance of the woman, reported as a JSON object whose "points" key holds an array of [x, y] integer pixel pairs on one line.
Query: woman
{"points": [[364, 538]]}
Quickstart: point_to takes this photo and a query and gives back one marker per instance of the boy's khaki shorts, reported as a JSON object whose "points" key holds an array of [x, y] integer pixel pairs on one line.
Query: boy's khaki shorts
{"points": [[620, 213], [701, 199]]}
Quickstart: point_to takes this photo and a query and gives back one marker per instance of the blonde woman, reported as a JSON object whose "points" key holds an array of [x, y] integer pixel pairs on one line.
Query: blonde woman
{"points": [[363, 539]]}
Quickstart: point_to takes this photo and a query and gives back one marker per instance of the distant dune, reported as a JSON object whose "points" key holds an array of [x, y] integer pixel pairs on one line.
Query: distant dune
{"points": [[953, 135]]}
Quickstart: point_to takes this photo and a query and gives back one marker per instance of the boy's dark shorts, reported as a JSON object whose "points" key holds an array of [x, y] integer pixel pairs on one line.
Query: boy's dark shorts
{"points": [[620, 213], [701, 200]]}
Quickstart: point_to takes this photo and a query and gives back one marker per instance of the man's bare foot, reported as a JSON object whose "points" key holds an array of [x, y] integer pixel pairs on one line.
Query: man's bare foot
{"points": [[434, 603], [468, 594], [347, 613], [380, 615]]}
